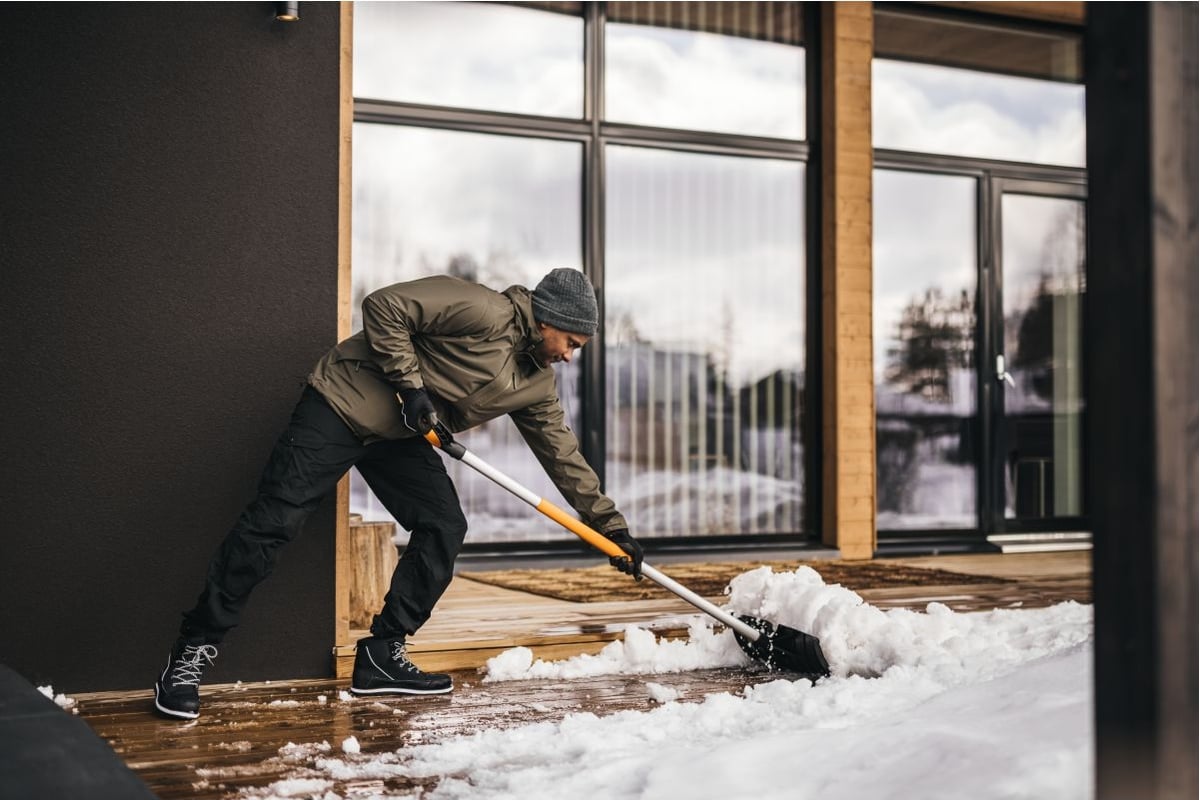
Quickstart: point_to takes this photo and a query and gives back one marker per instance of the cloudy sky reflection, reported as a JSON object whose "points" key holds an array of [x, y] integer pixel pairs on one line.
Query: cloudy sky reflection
{"points": [[423, 197], [936, 109], [703, 81], [478, 55]]}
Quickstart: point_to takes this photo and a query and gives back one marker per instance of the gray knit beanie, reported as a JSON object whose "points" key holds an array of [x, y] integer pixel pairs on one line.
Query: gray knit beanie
{"points": [[565, 299]]}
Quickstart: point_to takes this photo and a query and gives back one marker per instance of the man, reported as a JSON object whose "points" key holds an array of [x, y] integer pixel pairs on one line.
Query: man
{"points": [[435, 346]]}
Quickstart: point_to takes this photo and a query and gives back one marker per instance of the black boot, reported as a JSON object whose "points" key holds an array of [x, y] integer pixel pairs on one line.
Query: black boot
{"points": [[177, 690], [382, 667]]}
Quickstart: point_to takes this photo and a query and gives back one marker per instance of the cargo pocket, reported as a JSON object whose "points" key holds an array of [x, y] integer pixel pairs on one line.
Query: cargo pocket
{"points": [[300, 471]]}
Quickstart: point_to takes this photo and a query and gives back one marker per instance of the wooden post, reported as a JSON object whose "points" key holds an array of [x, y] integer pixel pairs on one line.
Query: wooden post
{"points": [[848, 423], [1141, 373], [341, 580]]}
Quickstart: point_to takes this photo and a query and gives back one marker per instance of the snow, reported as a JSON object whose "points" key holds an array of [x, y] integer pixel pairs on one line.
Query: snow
{"points": [[350, 745], [660, 693], [60, 700], [933, 704]]}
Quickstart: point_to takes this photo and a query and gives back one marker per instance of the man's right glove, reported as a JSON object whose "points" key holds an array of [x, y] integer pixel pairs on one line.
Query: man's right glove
{"points": [[417, 410], [633, 564]]}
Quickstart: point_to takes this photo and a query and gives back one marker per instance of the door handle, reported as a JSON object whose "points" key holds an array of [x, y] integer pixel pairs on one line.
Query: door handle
{"points": [[1002, 374]]}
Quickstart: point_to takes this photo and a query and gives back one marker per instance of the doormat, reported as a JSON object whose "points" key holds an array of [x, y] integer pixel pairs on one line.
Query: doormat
{"points": [[603, 583]]}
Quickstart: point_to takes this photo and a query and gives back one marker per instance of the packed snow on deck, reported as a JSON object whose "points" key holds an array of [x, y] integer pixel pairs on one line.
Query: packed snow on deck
{"points": [[933, 704]]}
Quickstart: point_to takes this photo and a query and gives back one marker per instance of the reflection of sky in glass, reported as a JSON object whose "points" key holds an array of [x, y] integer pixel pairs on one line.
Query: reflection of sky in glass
{"points": [[422, 197], [478, 55], [705, 253], [703, 81], [935, 109], [924, 238]]}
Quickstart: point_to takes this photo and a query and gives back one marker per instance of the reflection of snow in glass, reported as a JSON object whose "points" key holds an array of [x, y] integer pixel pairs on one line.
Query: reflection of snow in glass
{"points": [[493, 514], [936, 109]]}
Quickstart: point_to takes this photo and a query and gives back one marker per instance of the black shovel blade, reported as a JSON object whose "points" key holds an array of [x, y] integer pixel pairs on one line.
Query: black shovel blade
{"points": [[784, 649]]}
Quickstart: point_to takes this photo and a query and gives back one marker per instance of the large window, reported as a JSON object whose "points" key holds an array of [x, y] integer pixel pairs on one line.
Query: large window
{"points": [[661, 148], [978, 274]]}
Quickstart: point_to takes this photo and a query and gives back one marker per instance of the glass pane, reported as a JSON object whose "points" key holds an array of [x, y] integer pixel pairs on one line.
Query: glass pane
{"points": [[725, 67], [1034, 53], [1042, 248], [934, 109], [704, 319], [924, 297], [491, 56], [495, 209]]}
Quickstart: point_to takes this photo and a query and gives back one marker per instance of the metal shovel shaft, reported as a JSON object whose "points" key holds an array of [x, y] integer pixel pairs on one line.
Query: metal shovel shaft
{"points": [[592, 537]]}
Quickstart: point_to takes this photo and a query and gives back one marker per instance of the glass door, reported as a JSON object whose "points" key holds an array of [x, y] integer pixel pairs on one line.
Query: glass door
{"points": [[1036, 380], [925, 296]]}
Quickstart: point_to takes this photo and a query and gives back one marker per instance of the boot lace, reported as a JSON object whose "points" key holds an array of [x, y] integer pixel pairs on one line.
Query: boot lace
{"points": [[190, 664], [400, 656]]}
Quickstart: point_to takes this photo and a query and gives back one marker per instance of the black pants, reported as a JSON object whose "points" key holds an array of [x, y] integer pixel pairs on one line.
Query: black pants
{"points": [[316, 450]]}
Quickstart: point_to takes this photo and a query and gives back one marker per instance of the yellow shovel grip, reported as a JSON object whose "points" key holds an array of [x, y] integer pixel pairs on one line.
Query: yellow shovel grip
{"points": [[596, 540]]}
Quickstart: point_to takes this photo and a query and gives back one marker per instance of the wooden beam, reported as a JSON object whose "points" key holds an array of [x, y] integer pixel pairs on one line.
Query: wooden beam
{"points": [[1141, 368], [341, 581], [1067, 13], [848, 416]]}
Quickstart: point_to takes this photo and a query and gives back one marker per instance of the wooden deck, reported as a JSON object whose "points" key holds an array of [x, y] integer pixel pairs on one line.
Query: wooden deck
{"points": [[237, 741], [474, 622]]}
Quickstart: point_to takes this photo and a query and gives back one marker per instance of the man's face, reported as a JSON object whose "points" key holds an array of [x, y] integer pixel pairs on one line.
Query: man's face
{"points": [[557, 345]]}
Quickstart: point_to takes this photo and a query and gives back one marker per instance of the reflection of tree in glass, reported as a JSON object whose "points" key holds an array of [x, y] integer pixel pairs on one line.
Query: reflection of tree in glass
{"points": [[935, 334], [1060, 282], [463, 265], [623, 330]]}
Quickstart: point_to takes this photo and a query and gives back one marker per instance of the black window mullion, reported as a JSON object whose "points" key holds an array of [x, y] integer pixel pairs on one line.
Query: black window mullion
{"points": [[593, 438]]}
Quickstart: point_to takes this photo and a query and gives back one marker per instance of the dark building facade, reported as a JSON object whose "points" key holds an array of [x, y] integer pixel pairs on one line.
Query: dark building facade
{"points": [[169, 252]]}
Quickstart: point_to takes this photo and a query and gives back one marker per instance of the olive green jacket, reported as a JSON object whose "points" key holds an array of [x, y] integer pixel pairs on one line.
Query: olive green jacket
{"points": [[470, 347]]}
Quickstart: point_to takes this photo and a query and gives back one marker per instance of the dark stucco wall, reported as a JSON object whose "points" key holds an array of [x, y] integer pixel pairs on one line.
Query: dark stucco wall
{"points": [[168, 256]]}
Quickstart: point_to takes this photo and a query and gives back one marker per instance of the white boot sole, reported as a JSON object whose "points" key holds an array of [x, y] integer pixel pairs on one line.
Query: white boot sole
{"points": [[170, 712], [447, 690]]}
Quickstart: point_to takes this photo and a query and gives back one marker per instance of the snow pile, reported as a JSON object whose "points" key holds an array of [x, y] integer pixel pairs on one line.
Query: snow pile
{"points": [[856, 637], [639, 654], [351, 746], [300, 787], [660, 693], [60, 700], [931, 705]]}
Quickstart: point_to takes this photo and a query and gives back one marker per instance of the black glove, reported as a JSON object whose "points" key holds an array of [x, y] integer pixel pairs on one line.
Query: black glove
{"points": [[633, 564], [417, 410]]}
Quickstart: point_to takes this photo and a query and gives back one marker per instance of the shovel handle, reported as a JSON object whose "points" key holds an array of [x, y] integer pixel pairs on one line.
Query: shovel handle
{"points": [[440, 438]]}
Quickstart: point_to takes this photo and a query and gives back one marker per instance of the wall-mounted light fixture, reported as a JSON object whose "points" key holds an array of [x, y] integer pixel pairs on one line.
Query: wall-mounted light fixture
{"points": [[287, 12]]}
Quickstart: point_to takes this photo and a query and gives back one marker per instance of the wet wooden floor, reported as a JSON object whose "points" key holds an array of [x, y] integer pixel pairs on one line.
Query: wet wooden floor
{"points": [[252, 735], [242, 738]]}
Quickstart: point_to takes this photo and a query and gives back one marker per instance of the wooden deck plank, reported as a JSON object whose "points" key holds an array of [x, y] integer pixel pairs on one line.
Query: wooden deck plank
{"points": [[236, 742]]}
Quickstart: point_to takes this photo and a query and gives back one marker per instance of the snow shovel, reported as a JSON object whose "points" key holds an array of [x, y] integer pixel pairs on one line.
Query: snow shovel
{"points": [[777, 646]]}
